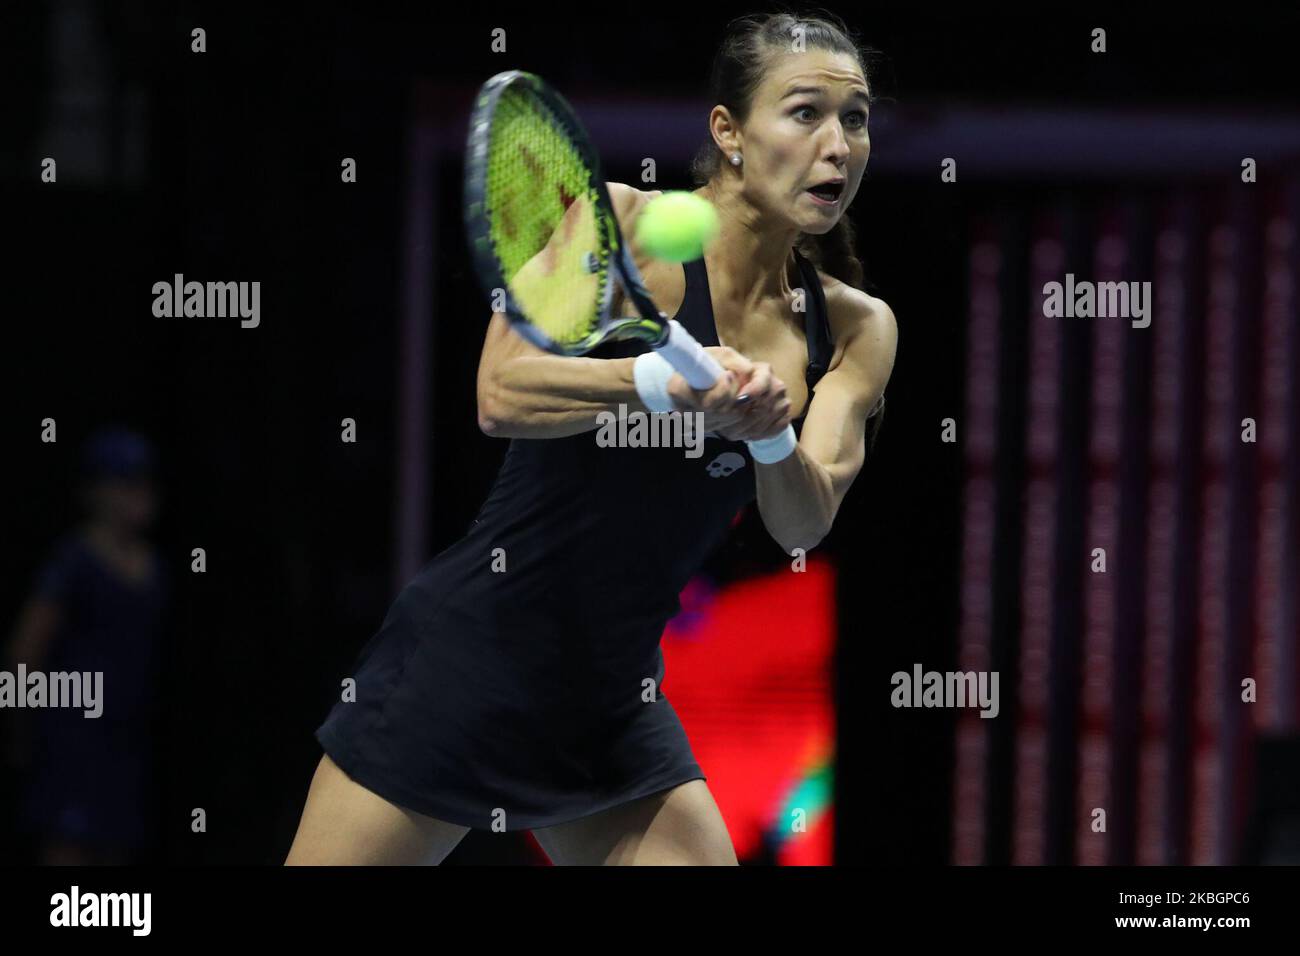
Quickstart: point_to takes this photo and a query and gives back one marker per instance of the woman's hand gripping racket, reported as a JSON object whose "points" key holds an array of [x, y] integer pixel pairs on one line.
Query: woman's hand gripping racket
{"points": [[543, 232]]}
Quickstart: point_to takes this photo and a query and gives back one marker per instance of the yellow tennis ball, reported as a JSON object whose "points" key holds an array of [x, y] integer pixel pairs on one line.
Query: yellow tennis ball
{"points": [[676, 226]]}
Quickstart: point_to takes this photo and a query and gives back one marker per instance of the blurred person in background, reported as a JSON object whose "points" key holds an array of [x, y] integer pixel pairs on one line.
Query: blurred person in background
{"points": [[96, 606]]}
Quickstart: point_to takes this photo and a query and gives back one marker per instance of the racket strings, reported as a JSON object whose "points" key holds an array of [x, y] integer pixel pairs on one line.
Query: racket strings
{"points": [[545, 221]]}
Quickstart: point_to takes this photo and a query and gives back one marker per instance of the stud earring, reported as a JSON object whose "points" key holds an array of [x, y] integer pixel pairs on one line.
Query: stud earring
{"points": [[735, 159]]}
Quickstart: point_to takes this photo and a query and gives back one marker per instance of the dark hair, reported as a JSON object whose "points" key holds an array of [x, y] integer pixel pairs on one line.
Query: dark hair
{"points": [[115, 451], [739, 66]]}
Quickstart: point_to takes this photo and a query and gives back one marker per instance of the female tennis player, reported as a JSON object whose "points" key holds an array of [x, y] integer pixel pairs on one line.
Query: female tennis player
{"points": [[517, 682]]}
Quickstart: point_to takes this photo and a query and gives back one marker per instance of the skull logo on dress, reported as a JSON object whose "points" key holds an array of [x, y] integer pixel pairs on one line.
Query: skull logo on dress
{"points": [[725, 464]]}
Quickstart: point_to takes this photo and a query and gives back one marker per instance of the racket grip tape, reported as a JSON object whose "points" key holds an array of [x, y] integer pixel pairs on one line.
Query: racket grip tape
{"points": [[688, 357]]}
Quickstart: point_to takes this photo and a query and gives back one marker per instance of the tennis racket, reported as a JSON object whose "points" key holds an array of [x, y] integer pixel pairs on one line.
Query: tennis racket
{"points": [[542, 230]]}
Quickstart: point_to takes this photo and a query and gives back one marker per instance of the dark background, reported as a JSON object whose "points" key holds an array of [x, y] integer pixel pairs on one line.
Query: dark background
{"points": [[231, 171]]}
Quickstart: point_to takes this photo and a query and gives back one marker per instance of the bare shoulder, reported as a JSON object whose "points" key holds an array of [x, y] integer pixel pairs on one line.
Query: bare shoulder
{"points": [[665, 280], [628, 200], [859, 321]]}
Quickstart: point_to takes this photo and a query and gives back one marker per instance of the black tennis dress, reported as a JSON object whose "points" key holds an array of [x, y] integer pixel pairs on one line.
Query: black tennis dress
{"points": [[518, 677]]}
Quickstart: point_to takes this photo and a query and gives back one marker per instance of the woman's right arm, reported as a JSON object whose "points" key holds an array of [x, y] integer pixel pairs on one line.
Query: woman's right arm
{"points": [[526, 392]]}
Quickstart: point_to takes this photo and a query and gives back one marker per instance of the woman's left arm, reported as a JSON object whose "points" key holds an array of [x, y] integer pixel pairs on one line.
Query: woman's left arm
{"points": [[800, 495]]}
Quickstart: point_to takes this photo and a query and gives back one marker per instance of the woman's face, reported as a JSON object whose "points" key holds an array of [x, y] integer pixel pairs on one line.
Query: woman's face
{"points": [[126, 502], [808, 124]]}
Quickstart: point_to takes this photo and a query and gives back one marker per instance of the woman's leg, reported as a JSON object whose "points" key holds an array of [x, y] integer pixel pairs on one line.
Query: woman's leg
{"points": [[343, 824], [679, 826]]}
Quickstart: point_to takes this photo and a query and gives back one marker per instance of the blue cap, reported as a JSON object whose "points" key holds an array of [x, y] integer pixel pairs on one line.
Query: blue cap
{"points": [[117, 452]]}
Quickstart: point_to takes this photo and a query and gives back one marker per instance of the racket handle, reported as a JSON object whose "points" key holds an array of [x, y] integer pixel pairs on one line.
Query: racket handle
{"points": [[688, 357]]}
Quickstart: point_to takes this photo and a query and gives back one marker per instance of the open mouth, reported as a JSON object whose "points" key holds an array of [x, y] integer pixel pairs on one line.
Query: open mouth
{"points": [[828, 192]]}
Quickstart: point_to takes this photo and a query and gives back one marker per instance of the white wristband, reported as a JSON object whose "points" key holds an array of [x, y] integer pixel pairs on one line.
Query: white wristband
{"points": [[768, 451], [651, 373]]}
